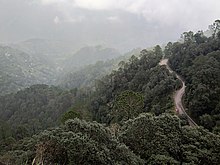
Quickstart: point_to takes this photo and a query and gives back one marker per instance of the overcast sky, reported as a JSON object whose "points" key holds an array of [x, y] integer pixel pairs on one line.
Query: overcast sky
{"points": [[123, 24]]}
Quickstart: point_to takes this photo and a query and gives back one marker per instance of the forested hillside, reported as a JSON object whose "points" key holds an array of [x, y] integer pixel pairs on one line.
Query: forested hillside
{"points": [[198, 61], [18, 70], [87, 76], [141, 75], [126, 117], [33, 109]]}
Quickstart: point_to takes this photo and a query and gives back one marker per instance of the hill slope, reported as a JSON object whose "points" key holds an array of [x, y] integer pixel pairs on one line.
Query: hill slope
{"points": [[89, 55], [87, 76], [198, 61], [134, 103], [35, 108], [19, 69]]}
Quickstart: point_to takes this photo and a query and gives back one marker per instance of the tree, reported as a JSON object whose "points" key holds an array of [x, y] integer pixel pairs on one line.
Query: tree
{"points": [[81, 142], [127, 105], [200, 37], [71, 114], [5, 130], [161, 159], [162, 140], [188, 36], [147, 135], [207, 121], [167, 50], [215, 28], [158, 51]]}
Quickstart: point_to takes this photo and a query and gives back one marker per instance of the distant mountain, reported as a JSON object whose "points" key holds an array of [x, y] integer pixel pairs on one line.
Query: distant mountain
{"points": [[65, 55], [87, 75], [39, 61], [50, 50], [19, 69], [90, 55]]}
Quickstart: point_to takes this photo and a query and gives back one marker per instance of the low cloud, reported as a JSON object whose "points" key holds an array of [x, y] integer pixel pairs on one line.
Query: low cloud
{"points": [[113, 19], [56, 20], [188, 13], [124, 24]]}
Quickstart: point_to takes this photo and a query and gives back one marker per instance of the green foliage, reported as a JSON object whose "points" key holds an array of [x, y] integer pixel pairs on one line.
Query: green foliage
{"points": [[162, 140], [162, 159], [188, 37], [156, 139], [22, 152], [215, 28], [141, 75], [127, 105], [77, 142], [139, 85], [33, 109], [199, 64], [154, 135], [71, 114], [86, 76]]}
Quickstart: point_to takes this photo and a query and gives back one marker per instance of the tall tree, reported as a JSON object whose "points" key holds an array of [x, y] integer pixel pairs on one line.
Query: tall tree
{"points": [[128, 105]]}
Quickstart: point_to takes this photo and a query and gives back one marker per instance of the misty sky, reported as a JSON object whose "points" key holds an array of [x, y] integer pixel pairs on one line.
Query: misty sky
{"points": [[123, 24]]}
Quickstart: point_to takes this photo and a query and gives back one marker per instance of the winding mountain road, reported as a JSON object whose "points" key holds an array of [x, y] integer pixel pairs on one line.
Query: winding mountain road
{"points": [[178, 95]]}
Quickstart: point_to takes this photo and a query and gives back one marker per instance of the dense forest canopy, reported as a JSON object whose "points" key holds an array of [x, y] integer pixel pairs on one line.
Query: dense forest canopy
{"points": [[34, 109], [141, 74], [198, 61], [126, 116], [144, 140]]}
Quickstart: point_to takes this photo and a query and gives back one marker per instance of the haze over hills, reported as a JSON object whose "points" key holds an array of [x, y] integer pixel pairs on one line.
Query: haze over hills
{"points": [[90, 55], [133, 103], [39, 61], [50, 50], [59, 53], [19, 70], [71, 95], [87, 76]]}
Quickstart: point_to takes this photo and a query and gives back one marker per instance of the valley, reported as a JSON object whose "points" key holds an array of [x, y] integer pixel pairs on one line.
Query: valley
{"points": [[109, 82]]}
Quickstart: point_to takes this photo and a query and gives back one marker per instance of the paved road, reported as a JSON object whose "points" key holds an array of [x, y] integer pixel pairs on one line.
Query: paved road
{"points": [[178, 94]]}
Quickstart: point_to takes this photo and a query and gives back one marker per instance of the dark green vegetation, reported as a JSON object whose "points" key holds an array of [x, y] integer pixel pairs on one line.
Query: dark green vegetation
{"points": [[144, 140], [33, 109], [161, 140], [127, 105], [142, 75], [134, 105], [198, 61], [37, 108]]}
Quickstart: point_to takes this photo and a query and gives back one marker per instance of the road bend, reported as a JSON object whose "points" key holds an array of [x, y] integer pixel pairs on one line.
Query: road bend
{"points": [[178, 95]]}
